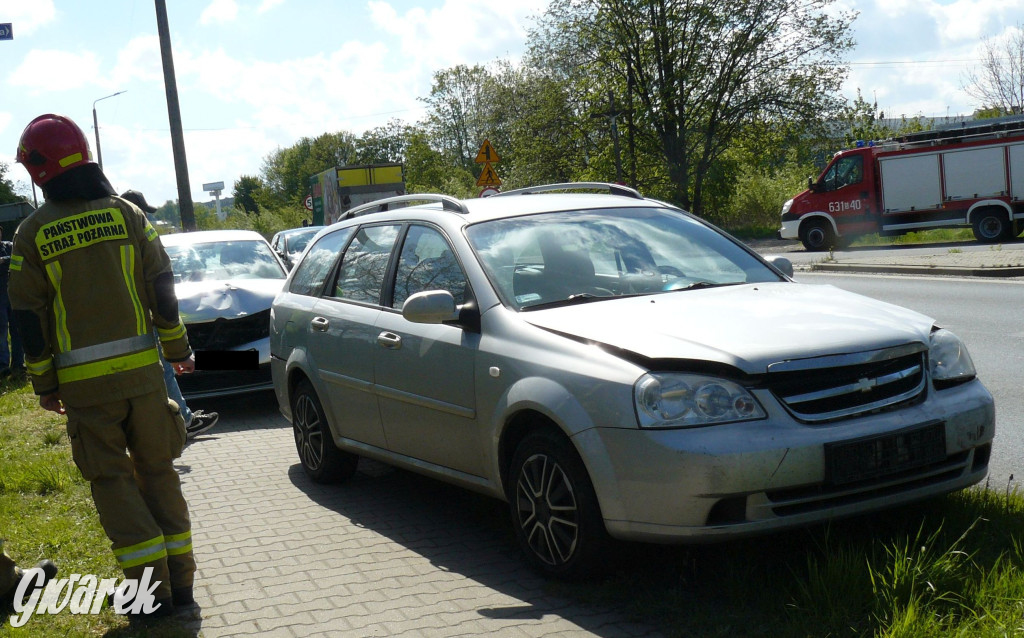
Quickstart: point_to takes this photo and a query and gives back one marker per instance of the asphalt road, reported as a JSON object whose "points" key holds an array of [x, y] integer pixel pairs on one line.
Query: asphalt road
{"points": [[986, 314]]}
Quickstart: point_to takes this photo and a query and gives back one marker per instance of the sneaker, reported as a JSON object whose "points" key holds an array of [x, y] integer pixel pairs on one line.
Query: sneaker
{"points": [[201, 422]]}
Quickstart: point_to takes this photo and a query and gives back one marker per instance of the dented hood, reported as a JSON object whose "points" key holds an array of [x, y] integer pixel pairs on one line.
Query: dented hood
{"points": [[746, 326], [203, 301]]}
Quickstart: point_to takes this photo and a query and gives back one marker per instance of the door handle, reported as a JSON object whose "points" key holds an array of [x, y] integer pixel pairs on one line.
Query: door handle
{"points": [[320, 324], [389, 340]]}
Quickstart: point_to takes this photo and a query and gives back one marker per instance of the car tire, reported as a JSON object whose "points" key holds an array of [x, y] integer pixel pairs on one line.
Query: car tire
{"points": [[320, 457], [991, 225], [816, 235], [554, 509]]}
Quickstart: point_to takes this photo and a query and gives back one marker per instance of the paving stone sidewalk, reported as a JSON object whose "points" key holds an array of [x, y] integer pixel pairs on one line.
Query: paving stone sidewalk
{"points": [[388, 553]]}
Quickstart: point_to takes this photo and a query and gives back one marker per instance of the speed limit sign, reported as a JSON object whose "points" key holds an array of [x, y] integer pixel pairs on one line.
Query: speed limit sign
{"points": [[309, 202]]}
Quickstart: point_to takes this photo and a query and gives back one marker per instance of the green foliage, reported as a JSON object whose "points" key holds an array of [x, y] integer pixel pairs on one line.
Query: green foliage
{"points": [[286, 172], [7, 194], [247, 189]]}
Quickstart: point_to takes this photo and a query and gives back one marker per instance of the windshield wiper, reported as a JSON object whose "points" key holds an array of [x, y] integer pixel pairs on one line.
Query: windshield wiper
{"points": [[697, 285], [571, 300]]}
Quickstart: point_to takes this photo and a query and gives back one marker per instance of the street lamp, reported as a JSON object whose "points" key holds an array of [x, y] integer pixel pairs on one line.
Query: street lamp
{"points": [[96, 126]]}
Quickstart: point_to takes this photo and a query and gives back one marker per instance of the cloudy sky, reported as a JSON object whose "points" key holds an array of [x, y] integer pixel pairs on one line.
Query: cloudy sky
{"points": [[256, 75]]}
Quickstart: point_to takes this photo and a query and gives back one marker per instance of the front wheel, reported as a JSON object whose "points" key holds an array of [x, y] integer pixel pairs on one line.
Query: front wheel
{"points": [[816, 235], [321, 459], [991, 226], [554, 509]]}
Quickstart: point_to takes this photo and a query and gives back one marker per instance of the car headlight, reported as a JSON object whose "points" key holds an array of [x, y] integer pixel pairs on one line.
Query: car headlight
{"points": [[673, 400], [948, 359], [787, 206]]}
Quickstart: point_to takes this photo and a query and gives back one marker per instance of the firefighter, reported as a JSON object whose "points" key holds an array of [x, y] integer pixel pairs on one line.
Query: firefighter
{"points": [[89, 280]]}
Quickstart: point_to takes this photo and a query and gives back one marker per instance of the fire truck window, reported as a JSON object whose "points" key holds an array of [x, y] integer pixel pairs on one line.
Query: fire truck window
{"points": [[845, 172]]}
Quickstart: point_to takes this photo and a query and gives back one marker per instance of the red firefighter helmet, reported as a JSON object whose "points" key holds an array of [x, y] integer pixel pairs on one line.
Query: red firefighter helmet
{"points": [[51, 145]]}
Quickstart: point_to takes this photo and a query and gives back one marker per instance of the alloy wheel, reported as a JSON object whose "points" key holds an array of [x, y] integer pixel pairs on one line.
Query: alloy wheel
{"points": [[547, 510]]}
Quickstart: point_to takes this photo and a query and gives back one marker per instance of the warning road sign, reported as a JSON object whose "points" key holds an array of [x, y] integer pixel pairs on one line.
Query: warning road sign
{"points": [[487, 154], [488, 177]]}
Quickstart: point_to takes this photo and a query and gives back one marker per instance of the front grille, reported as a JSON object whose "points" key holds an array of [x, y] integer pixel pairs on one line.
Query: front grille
{"points": [[843, 386], [224, 334]]}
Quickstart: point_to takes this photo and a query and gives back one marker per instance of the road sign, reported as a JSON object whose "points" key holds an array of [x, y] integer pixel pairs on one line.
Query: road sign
{"points": [[6, 31], [213, 186], [487, 192], [309, 202], [488, 177], [487, 154]]}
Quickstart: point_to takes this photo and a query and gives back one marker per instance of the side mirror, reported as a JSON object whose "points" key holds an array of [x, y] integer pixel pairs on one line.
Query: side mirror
{"points": [[781, 263], [430, 306]]}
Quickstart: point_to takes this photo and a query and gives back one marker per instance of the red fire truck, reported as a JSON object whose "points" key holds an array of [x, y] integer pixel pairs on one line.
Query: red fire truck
{"points": [[971, 176]]}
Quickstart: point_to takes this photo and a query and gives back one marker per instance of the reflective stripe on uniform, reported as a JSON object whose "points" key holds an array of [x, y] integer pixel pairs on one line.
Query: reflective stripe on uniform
{"points": [[60, 313], [39, 368], [170, 334], [178, 544], [141, 553], [108, 366], [70, 159], [99, 351], [16, 261], [128, 270], [151, 233]]}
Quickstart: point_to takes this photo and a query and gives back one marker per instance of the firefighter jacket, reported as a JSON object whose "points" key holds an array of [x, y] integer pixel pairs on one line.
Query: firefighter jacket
{"points": [[88, 281]]}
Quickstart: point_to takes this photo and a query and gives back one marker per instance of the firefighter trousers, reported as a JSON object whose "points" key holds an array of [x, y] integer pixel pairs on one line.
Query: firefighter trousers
{"points": [[126, 450]]}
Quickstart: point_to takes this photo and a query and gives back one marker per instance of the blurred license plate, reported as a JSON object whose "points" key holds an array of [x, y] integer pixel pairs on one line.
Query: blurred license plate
{"points": [[880, 456], [227, 359]]}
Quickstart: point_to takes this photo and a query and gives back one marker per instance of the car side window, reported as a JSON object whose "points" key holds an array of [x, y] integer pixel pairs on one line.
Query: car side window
{"points": [[427, 263], [365, 264], [312, 271]]}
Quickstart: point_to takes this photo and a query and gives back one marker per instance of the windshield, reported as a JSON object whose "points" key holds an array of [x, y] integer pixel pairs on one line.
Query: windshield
{"points": [[587, 255], [298, 242], [246, 259]]}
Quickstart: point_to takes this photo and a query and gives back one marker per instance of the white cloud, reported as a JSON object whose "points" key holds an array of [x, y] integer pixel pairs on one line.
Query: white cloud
{"points": [[267, 5], [219, 12], [26, 16], [139, 59], [51, 71]]}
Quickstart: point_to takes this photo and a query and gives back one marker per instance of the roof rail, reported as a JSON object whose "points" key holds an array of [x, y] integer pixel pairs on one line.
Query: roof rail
{"points": [[447, 203], [965, 131], [613, 189]]}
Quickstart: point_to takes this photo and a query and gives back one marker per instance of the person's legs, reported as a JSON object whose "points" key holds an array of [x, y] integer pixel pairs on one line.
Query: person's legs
{"points": [[17, 351], [5, 319], [100, 442], [156, 436], [174, 392]]}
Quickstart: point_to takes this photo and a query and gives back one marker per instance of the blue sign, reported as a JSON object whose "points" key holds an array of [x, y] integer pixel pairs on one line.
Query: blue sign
{"points": [[6, 33]]}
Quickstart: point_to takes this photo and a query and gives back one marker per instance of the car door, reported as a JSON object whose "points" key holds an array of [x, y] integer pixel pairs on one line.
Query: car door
{"points": [[343, 334], [425, 373]]}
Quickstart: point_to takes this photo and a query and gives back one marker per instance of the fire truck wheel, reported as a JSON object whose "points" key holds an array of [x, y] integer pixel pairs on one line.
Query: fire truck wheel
{"points": [[991, 225], [816, 235]]}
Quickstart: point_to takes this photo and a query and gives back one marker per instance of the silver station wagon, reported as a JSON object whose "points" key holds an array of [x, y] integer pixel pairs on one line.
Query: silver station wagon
{"points": [[613, 367]]}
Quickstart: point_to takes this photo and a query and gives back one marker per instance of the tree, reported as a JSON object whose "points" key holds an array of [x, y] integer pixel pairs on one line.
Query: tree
{"points": [[286, 172], [247, 188], [999, 84], [693, 73], [384, 144], [7, 194], [456, 112]]}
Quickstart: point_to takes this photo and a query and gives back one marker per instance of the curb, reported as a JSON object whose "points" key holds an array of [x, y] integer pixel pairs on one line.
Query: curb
{"points": [[1002, 271]]}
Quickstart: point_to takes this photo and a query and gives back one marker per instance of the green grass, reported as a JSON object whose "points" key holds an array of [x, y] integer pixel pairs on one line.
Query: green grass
{"points": [[950, 566], [940, 235], [46, 511]]}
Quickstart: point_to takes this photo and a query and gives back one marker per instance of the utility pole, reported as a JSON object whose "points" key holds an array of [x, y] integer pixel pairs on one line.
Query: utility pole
{"points": [[188, 218], [612, 114], [96, 127]]}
